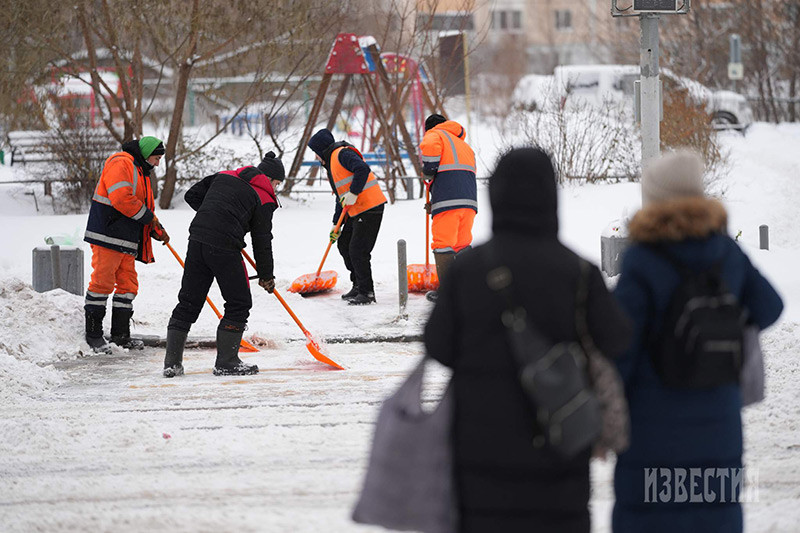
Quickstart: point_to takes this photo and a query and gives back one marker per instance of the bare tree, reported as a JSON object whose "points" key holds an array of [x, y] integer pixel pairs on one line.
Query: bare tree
{"points": [[696, 45], [156, 49]]}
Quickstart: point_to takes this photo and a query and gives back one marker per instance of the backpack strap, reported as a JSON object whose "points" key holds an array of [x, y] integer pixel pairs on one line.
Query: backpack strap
{"points": [[500, 280], [581, 308]]}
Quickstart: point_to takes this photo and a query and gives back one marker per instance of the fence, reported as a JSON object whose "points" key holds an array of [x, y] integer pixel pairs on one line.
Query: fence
{"points": [[41, 147], [254, 123], [776, 109]]}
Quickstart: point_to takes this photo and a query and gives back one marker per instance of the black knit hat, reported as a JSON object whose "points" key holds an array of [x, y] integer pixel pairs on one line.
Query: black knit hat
{"points": [[523, 194], [272, 167], [433, 120], [320, 141]]}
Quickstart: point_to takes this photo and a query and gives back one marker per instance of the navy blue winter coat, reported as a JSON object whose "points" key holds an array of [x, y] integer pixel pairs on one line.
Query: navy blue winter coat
{"points": [[670, 428]]}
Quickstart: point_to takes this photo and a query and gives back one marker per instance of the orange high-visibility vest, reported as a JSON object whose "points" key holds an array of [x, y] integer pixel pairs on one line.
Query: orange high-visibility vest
{"points": [[451, 162], [371, 196], [121, 212]]}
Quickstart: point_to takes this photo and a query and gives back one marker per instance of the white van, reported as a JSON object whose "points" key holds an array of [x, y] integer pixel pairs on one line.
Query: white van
{"points": [[596, 84]]}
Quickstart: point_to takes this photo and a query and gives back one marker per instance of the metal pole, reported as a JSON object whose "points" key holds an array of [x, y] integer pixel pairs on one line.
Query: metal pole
{"points": [[466, 79], [402, 277], [763, 237], [650, 88], [55, 264]]}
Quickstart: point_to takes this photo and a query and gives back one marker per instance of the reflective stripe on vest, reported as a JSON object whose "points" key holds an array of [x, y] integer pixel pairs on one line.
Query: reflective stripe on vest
{"points": [[97, 197], [369, 197], [453, 203], [112, 240]]}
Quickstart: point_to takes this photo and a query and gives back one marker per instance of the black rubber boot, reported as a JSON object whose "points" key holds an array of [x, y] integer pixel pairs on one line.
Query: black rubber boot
{"points": [[121, 329], [229, 337], [94, 328], [173, 360], [351, 294], [443, 262], [362, 298]]}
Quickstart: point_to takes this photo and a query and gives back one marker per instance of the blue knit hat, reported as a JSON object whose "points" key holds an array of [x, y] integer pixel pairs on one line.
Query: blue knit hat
{"points": [[320, 141]]}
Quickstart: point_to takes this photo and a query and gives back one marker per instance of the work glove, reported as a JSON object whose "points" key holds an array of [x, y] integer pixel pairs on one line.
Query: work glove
{"points": [[158, 232], [335, 234], [428, 207], [267, 284], [348, 199]]}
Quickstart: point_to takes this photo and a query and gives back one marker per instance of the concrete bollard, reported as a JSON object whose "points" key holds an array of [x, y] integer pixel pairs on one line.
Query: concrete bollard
{"points": [[763, 237], [402, 277], [55, 261], [611, 250], [58, 267]]}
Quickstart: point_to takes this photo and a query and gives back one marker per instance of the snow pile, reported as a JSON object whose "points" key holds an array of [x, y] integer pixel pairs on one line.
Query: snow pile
{"points": [[40, 327], [22, 379]]}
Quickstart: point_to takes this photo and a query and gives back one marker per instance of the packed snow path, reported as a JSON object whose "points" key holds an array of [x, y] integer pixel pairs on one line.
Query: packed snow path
{"points": [[119, 448]]}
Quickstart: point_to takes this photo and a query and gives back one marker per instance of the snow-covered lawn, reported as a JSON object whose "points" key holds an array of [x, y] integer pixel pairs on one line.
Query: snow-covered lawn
{"points": [[105, 443]]}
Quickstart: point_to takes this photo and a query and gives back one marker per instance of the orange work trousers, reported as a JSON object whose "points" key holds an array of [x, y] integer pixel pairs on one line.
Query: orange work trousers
{"points": [[452, 230], [113, 271]]}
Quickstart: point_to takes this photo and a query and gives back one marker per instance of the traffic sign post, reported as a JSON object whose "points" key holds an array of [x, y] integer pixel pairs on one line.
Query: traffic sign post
{"points": [[649, 90], [735, 66]]}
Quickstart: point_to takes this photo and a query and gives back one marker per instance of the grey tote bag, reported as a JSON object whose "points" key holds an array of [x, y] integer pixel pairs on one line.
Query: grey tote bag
{"points": [[409, 481], [751, 378]]}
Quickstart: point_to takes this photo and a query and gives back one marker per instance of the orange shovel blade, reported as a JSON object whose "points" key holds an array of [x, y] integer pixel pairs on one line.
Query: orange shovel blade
{"points": [[245, 346], [312, 283], [316, 352], [422, 278]]}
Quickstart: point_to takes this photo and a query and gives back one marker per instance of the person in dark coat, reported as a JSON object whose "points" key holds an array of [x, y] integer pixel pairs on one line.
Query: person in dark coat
{"points": [[229, 205], [504, 482], [679, 429], [357, 189]]}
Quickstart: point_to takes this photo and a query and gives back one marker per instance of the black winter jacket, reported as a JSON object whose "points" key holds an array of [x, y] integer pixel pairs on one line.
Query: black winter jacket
{"points": [[230, 204], [503, 482]]}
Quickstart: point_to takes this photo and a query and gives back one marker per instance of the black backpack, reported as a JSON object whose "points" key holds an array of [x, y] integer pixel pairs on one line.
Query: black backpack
{"points": [[699, 344]]}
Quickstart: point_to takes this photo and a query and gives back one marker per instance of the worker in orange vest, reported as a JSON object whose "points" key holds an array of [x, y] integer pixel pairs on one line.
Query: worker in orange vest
{"points": [[448, 164], [121, 223], [357, 188]]}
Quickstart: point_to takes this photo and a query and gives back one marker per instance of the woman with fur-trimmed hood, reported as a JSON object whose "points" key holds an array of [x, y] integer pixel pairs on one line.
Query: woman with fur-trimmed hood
{"points": [[686, 432]]}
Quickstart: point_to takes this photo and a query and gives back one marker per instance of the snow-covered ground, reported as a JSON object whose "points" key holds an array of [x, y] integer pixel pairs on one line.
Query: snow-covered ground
{"points": [[104, 442]]}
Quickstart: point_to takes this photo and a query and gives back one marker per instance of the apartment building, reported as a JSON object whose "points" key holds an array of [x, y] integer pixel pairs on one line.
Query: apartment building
{"points": [[551, 32]]}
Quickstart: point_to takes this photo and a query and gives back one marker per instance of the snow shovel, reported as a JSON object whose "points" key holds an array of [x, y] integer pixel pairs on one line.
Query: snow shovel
{"points": [[246, 346], [321, 281], [423, 278], [312, 345]]}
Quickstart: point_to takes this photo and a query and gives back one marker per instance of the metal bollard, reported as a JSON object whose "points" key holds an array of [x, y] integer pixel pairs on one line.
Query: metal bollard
{"points": [[763, 237], [55, 262], [402, 277], [409, 187]]}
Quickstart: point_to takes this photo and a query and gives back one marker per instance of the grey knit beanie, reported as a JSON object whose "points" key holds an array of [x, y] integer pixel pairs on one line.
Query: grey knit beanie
{"points": [[674, 175]]}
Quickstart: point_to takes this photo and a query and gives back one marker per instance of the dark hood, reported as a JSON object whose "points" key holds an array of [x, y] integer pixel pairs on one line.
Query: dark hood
{"points": [[257, 180], [522, 192], [132, 147], [326, 155]]}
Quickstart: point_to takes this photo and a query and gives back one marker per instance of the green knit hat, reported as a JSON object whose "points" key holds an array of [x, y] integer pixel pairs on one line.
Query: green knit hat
{"points": [[151, 146]]}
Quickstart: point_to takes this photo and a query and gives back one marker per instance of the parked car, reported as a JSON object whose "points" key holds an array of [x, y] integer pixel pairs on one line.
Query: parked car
{"points": [[598, 84]]}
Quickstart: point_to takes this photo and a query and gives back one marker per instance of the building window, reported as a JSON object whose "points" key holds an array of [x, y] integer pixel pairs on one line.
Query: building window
{"points": [[507, 20], [516, 20], [446, 21], [563, 20]]}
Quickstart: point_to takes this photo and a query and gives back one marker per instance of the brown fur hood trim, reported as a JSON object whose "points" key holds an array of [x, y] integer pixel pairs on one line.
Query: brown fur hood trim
{"points": [[676, 220]]}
